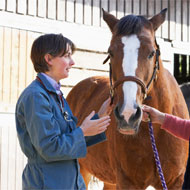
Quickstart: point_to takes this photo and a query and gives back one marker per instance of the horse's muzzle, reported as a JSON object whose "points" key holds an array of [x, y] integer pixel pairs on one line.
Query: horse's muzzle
{"points": [[131, 126]]}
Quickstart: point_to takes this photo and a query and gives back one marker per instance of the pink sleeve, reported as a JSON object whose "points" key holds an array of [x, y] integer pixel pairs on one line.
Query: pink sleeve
{"points": [[177, 126]]}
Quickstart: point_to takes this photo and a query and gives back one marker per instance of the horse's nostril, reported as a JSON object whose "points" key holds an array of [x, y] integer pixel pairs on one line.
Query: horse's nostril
{"points": [[138, 113], [117, 114], [136, 116]]}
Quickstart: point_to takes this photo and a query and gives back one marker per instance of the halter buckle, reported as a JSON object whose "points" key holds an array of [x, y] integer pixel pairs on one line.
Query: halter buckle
{"points": [[111, 92], [145, 96]]}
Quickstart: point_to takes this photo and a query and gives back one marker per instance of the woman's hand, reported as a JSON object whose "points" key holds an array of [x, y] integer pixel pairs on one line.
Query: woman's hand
{"points": [[106, 108], [94, 127], [151, 113]]}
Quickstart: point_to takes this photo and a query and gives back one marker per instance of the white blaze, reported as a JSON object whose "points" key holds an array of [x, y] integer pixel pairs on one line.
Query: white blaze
{"points": [[130, 62]]}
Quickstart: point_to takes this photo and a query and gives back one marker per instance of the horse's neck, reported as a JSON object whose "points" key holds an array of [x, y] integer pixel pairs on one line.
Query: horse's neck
{"points": [[163, 90]]}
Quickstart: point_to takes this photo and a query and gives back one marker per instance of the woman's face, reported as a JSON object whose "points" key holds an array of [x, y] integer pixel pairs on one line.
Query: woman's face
{"points": [[60, 66]]}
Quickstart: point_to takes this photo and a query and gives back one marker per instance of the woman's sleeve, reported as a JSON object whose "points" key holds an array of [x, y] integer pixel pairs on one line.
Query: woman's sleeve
{"points": [[45, 133], [177, 126]]}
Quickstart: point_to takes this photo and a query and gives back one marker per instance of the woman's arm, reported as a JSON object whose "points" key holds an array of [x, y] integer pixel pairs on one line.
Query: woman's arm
{"points": [[177, 126], [173, 124]]}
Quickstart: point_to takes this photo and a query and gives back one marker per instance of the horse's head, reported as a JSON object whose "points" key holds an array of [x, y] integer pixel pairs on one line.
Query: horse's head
{"points": [[133, 53]]}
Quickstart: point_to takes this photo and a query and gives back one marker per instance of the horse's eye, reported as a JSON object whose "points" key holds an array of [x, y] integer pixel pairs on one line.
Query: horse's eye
{"points": [[151, 54]]}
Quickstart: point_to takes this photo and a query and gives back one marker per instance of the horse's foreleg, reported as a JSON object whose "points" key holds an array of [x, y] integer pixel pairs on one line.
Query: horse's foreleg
{"points": [[109, 186]]}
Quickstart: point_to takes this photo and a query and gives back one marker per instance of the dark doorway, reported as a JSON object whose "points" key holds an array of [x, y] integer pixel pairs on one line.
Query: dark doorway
{"points": [[182, 68]]}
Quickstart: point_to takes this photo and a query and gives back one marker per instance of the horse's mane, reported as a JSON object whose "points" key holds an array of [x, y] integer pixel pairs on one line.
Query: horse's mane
{"points": [[130, 24]]}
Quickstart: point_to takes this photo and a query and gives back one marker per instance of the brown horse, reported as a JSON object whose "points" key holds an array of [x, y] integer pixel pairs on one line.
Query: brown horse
{"points": [[126, 159]]}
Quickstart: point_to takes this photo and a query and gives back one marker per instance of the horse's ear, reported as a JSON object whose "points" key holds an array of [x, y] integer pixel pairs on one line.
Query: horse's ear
{"points": [[110, 20], [158, 19]]}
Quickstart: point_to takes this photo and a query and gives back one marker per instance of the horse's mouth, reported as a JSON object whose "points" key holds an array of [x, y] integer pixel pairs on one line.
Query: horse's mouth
{"points": [[128, 128], [127, 132]]}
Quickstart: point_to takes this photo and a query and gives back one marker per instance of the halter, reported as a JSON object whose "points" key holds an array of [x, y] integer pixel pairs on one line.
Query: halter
{"points": [[144, 87]]}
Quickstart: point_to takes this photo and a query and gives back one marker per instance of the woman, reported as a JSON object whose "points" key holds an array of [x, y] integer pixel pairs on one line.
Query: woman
{"points": [[46, 127], [175, 126]]}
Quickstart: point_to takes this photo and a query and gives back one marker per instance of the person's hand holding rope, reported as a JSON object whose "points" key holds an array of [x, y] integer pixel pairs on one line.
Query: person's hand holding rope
{"points": [[152, 114]]}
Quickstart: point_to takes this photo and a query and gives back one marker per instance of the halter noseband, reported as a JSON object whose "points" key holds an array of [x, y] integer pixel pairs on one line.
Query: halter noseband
{"points": [[133, 78]]}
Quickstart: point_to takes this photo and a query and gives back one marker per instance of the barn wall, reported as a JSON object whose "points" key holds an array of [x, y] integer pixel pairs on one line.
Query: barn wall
{"points": [[88, 12]]}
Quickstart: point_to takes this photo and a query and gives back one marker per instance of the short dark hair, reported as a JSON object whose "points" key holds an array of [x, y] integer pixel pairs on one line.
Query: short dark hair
{"points": [[53, 44]]}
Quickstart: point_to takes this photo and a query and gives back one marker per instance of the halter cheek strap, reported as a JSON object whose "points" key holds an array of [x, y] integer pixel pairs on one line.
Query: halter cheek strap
{"points": [[156, 68]]}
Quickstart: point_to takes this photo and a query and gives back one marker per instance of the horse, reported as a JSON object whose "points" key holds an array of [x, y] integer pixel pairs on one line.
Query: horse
{"points": [[137, 77]]}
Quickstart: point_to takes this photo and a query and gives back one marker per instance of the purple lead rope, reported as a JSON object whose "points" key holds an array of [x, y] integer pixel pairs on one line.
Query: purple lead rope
{"points": [[156, 156]]}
